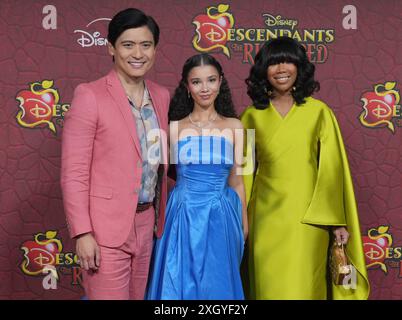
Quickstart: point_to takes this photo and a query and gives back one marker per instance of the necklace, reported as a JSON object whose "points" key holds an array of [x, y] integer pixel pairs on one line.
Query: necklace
{"points": [[134, 97], [199, 124]]}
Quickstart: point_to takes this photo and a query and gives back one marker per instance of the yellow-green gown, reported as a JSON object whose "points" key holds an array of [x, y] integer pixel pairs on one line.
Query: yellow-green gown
{"points": [[301, 186]]}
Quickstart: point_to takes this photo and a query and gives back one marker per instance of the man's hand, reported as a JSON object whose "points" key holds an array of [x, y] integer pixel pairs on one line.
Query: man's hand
{"points": [[88, 252]]}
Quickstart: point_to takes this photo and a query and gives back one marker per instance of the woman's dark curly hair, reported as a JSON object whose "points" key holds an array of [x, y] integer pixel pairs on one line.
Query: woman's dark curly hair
{"points": [[181, 105], [281, 49]]}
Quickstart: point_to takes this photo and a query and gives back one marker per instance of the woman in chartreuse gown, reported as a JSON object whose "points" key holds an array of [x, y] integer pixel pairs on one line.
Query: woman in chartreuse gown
{"points": [[199, 254], [301, 192]]}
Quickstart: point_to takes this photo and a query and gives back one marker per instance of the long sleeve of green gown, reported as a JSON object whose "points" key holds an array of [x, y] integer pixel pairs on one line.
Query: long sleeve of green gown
{"points": [[334, 204]]}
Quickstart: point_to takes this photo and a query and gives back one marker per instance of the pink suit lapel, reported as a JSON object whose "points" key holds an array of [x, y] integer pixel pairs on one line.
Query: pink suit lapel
{"points": [[119, 96], [157, 104]]}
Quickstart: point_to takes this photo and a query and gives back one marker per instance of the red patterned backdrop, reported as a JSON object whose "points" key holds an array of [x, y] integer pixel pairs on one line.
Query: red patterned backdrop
{"points": [[49, 47]]}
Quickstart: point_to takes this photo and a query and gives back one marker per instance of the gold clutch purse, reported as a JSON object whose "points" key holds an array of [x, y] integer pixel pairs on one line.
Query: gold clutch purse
{"points": [[338, 263]]}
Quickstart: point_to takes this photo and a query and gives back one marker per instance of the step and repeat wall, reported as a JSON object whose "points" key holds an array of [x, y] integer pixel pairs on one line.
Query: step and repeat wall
{"points": [[47, 48]]}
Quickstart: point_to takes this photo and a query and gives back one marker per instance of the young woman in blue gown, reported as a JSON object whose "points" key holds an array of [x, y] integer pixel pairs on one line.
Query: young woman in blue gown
{"points": [[199, 254]]}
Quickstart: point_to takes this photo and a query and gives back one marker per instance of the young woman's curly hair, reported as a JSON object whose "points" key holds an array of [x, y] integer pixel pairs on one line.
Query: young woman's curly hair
{"points": [[282, 49], [181, 104]]}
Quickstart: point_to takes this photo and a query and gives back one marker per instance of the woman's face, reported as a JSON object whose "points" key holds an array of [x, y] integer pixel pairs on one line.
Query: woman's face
{"points": [[282, 76], [203, 83]]}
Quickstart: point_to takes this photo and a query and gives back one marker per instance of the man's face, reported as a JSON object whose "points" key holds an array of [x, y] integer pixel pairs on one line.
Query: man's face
{"points": [[134, 52]]}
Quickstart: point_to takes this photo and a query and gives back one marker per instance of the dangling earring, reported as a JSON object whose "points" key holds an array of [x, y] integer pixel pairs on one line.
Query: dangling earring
{"points": [[294, 88], [268, 92], [188, 95]]}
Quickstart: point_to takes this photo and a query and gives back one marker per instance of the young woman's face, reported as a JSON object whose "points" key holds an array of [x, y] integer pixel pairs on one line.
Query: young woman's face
{"points": [[282, 76], [134, 52], [203, 83]]}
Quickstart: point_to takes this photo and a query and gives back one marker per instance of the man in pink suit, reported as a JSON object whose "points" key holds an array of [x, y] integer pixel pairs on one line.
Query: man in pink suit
{"points": [[114, 164]]}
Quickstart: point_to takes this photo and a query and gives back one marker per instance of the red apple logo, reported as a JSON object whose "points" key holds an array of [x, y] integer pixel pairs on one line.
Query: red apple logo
{"points": [[212, 29], [375, 245], [379, 106], [36, 106], [40, 253]]}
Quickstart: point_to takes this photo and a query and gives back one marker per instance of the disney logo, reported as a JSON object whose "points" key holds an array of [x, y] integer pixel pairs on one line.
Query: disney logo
{"points": [[89, 40], [272, 21]]}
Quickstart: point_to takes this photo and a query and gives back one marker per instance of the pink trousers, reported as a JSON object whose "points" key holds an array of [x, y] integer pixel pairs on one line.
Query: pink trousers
{"points": [[123, 271]]}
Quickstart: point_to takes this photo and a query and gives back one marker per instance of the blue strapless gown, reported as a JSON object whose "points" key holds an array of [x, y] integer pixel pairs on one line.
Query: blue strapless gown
{"points": [[199, 254]]}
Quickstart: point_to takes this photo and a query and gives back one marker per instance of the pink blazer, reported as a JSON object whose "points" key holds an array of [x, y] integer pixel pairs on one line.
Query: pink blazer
{"points": [[101, 160]]}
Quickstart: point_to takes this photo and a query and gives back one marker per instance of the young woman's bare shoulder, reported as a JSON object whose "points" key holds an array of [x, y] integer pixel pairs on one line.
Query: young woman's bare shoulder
{"points": [[179, 124], [233, 123]]}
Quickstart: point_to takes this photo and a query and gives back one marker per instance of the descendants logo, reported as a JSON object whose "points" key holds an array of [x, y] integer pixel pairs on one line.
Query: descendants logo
{"points": [[39, 106], [215, 32], [379, 251], [44, 256], [212, 29], [381, 107]]}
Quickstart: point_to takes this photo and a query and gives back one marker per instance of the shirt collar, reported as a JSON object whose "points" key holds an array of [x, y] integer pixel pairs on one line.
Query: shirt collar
{"points": [[146, 99]]}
